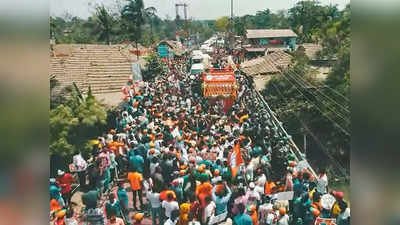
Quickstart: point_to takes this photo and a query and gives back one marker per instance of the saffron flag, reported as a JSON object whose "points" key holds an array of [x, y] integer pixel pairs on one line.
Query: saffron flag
{"points": [[235, 159]]}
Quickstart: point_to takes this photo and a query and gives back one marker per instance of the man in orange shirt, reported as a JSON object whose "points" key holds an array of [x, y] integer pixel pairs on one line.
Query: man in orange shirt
{"points": [[202, 191], [136, 180]]}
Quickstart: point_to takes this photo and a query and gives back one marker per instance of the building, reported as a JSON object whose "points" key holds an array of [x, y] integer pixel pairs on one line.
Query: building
{"points": [[261, 68], [170, 49], [266, 41], [105, 68]]}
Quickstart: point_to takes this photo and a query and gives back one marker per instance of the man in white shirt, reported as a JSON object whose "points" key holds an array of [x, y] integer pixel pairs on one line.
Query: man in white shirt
{"points": [[169, 205], [173, 219], [209, 210], [154, 198]]}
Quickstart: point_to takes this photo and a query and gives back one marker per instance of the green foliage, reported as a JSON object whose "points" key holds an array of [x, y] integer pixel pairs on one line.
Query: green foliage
{"points": [[74, 123], [222, 24], [154, 67], [105, 23]]}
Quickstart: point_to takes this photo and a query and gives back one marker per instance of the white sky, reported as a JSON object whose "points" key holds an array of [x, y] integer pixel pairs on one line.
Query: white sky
{"points": [[198, 9]]}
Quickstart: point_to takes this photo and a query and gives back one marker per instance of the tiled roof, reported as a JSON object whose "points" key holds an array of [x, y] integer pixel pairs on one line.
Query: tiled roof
{"points": [[311, 50], [270, 33], [105, 68], [272, 63]]}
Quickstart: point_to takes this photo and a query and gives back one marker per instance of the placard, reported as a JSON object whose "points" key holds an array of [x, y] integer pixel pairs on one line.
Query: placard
{"points": [[287, 195], [218, 219], [325, 221]]}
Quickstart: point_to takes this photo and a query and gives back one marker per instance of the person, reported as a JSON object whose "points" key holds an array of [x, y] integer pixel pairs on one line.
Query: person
{"points": [[89, 199], [137, 161], [252, 211], [70, 220], [221, 198], [137, 218], [136, 180], [170, 205], [283, 217], [253, 197], [80, 167], [335, 207], [173, 219], [322, 182], [184, 211], [112, 205], [203, 190], [154, 198], [209, 210], [242, 218], [344, 216], [114, 220], [123, 199], [55, 192], [64, 181]]}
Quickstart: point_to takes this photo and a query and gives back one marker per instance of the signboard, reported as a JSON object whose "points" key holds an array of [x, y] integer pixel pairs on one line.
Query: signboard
{"points": [[163, 51], [324, 221]]}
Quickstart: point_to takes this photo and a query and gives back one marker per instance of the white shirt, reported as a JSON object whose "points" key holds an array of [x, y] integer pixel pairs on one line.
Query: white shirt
{"points": [[169, 207], [322, 184], [79, 162], [209, 211], [154, 199], [170, 222]]}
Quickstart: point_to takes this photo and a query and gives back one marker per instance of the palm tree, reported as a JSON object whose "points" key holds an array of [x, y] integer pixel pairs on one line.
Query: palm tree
{"points": [[105, 23]]}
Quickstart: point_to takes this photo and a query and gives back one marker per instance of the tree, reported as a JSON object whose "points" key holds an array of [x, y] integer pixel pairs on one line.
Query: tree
{"points": [[150, 13], [305, 17], [263, 19], [105, 24], [222, 24], [74, 123], [154, 67]]}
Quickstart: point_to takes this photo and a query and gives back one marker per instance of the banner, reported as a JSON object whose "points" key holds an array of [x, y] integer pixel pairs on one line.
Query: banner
{"points": [[324, 221], [136, 72]]}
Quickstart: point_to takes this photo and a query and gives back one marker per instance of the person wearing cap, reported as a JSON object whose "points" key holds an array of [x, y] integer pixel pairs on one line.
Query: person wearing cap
{"points": [[217, 177], [137, 218], [64, 180], [252, 211], [283, 217], [55, 192], [221, 198], [253, 197], [335, 207], [169, 205]]}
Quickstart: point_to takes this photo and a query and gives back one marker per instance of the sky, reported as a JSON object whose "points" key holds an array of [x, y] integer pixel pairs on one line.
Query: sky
{"points": [[198, 9]]}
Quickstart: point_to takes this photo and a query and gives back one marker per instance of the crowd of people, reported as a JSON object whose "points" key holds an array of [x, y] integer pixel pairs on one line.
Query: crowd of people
{"points": [[187, 162]]}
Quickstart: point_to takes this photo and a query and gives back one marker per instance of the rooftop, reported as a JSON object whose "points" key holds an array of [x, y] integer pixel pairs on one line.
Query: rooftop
{"points": [[270, 33], [269, 64]]}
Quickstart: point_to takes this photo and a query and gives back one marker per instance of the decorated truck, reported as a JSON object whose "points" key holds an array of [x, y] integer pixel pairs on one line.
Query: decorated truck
{"points": [[219, 86]]}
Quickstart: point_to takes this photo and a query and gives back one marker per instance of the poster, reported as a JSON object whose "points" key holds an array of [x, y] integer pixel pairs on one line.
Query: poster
{"points": [[281, 196], [324, 221]]}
